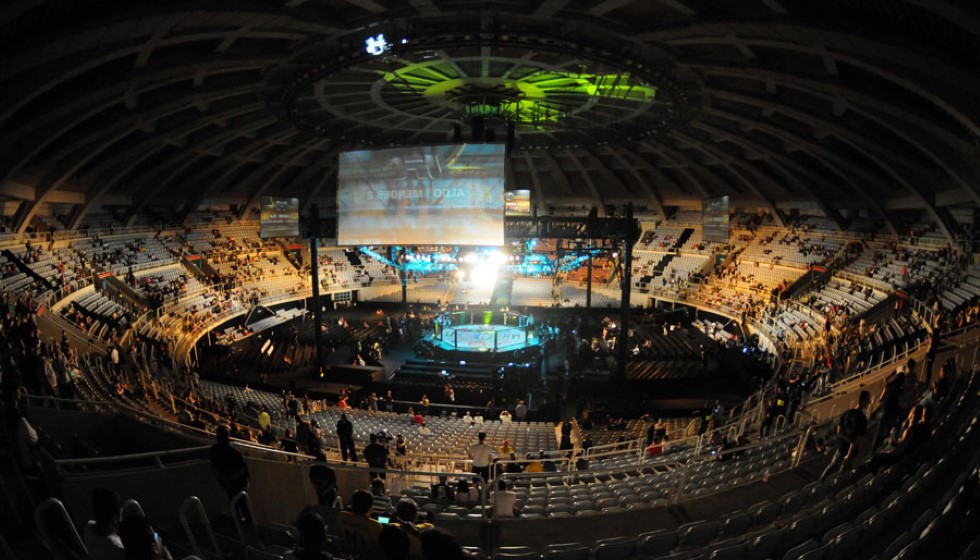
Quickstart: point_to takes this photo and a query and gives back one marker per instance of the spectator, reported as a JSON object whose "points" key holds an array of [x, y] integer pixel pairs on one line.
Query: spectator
{"points": [[481, 455], [505, 416], [520, 411], [850, 427], [504, 501], [140, 541], [442, 493], [376, 456], [424, 430], [406, 516], [228, 464], [312, 538], [345, 433], [440, 545], [264, 419], [394, 543], [101, 533], [358, 529], [324, 481], [467, 418]]}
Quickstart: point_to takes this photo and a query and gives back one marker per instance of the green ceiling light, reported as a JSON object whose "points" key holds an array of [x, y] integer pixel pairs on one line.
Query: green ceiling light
{"points": [[536, 100]]}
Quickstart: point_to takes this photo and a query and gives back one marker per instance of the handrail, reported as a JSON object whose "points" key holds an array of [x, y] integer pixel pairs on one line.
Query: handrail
{"points": [[131, 456], [59, 507]]}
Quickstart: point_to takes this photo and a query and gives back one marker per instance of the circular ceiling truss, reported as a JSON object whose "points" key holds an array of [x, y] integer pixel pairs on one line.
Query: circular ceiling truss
{"points": [[549, 91]]}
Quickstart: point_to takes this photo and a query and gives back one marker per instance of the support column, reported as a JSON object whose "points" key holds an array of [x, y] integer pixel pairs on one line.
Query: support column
{"points": [[315, 277], [588, 280], [622, 345]]}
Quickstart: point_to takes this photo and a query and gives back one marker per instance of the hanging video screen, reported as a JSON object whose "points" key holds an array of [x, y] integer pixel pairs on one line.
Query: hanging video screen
{"points": [[424, 195], [715, 219]]}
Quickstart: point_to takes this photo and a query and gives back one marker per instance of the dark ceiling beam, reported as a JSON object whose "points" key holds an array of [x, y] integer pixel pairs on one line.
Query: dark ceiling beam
{"points": [[782, 163], [559, 174], [78, 153], [105, 183], [923, 135], [658, 177], [680, 162], [679, 6], [593, 190], [211, 146], [964, 171], [137, 153], [548, 8], [201, 192], [131, 28], [732, 164], [284, 162], [953, 14], [40, 139], [606, 6], [32, 88], [947, 84], [878, 155], [830, 160], [651, 194], [326, 167], [536, 191]]}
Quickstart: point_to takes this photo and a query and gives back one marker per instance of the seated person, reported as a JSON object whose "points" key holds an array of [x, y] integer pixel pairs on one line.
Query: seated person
{"points": [[140, 541], [442, 493], [312, 539], [394, 543], [406, 517], [101, 537], [504, 501], [357, 528]]}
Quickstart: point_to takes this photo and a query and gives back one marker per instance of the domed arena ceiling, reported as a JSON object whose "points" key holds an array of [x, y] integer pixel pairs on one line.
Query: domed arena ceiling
{"points": [[841, 107]]}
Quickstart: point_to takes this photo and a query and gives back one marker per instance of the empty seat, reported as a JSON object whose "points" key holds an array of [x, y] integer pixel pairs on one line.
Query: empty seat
{"points": [[515, 553], [656, 543], [735, 523], [734, 551], [697, 533], [566, 551], [617, 548], [799, 550]]}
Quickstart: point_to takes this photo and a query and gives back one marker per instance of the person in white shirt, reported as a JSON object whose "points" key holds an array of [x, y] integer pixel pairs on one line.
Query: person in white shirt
{"points": [[101, 537], [424, 430], [505, 416], [481, 454], [504, 501], [467, 418]]}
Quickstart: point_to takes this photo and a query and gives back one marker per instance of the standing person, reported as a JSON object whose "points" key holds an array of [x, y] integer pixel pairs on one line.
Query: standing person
{"points": [[376, 456], [389, 402], [345, 432], [373, 402], [889, 407], [228, 464], [481, 454], [520, 411], [566, 435], [850, 427]]}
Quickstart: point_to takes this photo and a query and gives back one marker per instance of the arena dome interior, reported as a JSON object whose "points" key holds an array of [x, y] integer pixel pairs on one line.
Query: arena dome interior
{"points": [[527, 279]]}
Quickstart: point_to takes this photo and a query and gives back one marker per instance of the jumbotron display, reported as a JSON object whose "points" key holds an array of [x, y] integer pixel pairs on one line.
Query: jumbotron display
{"points": [[426, 195], [278, 217], [715, 219]]}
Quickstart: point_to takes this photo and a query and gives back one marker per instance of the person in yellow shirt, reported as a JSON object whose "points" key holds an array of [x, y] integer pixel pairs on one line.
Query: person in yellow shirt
{"points": [[534, 466], [357, 528], [505, 448]]}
